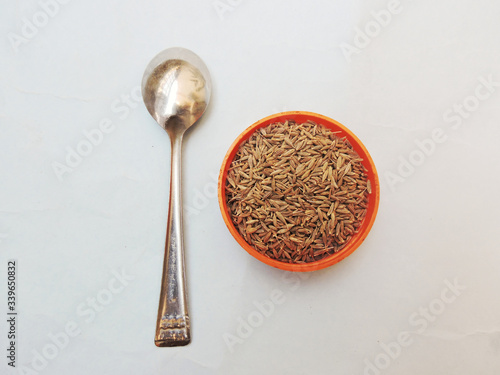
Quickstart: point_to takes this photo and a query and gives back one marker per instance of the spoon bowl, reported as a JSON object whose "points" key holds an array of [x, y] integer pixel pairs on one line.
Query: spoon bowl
{"points": [[176, 89]]}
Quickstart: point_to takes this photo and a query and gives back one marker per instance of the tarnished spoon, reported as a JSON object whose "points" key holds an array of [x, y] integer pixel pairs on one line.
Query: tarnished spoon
{"points": [[176, 90]]}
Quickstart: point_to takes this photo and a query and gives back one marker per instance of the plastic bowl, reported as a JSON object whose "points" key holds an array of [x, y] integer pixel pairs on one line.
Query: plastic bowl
{"points": [[373, 198]]}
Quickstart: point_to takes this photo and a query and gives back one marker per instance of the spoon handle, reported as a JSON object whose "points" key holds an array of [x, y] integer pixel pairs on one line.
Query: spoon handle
{"points": [[172, 325]]}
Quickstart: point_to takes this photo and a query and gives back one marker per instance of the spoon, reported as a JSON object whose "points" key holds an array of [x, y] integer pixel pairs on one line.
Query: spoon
{"points": [[176, 90]]}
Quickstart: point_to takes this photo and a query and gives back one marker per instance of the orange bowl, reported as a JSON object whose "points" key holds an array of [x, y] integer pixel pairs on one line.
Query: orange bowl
{"points": [[373, 198]]}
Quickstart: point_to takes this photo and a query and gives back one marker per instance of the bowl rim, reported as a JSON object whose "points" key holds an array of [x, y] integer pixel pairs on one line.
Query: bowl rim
{"points": [[358, 146]]}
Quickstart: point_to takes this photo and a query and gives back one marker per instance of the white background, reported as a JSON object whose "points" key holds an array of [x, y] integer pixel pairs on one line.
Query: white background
{"points": [[437, 225]]}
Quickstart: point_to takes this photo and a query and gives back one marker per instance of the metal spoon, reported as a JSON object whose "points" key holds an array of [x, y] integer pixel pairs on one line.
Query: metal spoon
{"points": [[176, 89]]}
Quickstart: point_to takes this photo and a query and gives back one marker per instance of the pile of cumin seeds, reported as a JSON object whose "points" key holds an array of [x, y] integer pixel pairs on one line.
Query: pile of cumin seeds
{"points": [[297, 192]]}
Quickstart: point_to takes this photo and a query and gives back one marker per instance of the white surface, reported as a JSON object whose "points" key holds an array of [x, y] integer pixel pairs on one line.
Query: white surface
{"points": [[109, 213]]}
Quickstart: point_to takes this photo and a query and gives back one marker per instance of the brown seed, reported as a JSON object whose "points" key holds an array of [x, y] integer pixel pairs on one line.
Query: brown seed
{"points": [[297, 192]]}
